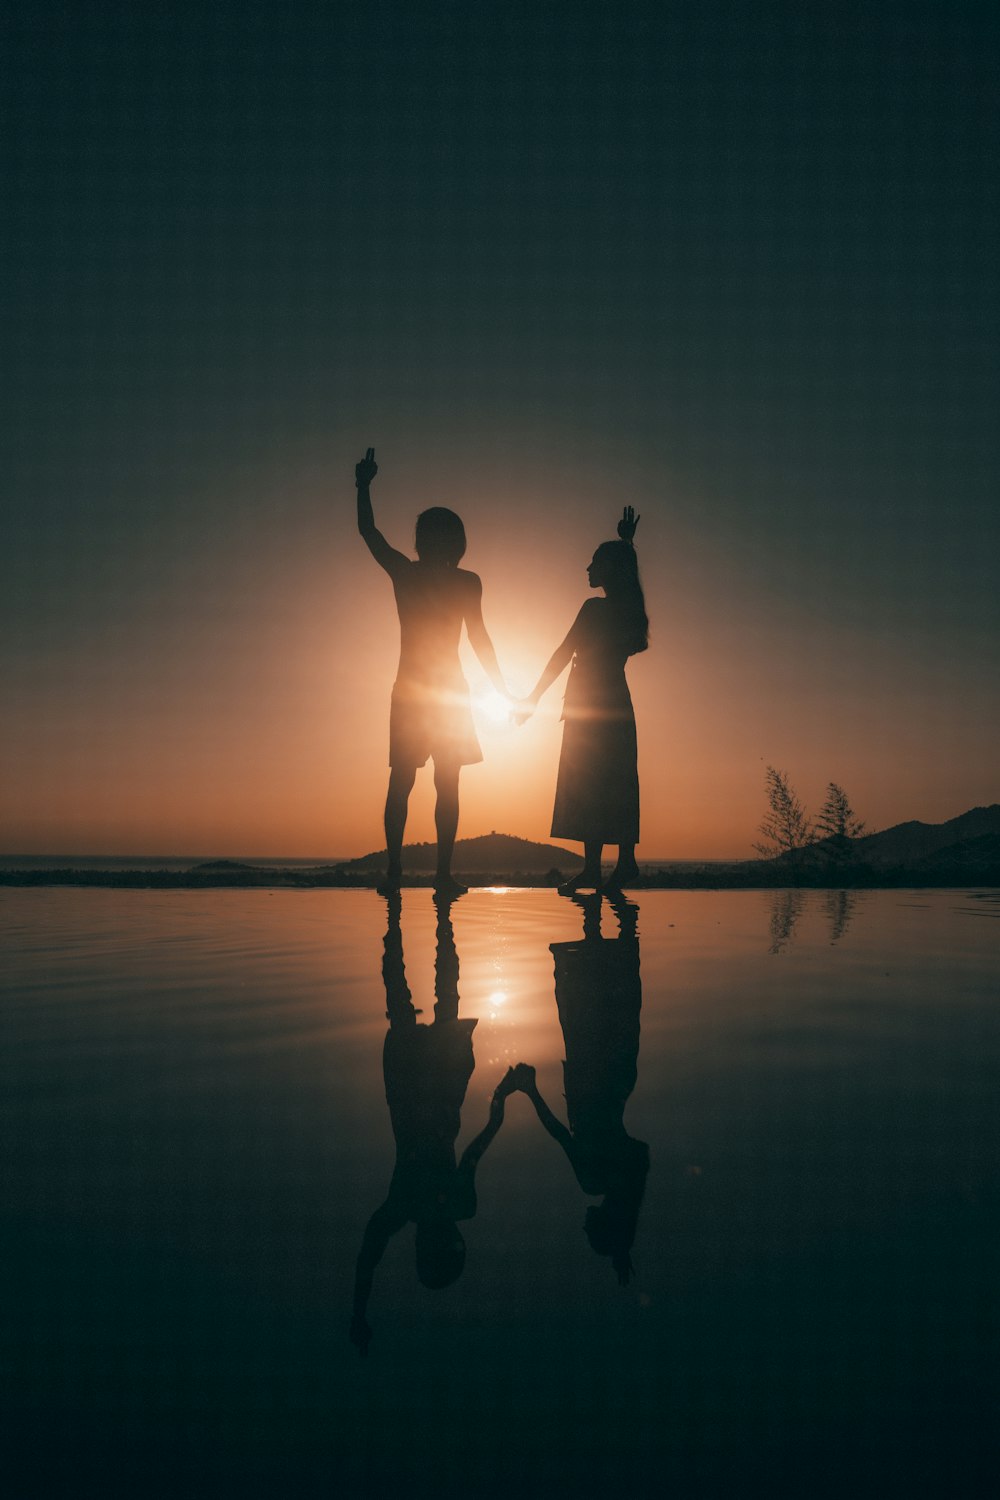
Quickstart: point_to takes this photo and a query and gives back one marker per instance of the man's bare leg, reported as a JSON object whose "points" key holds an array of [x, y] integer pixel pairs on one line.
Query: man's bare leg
{"points": [[401, 779], [446, 823]]}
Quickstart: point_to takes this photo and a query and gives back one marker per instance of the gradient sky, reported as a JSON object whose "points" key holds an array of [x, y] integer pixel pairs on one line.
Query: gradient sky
{"points": [[735, 265]]}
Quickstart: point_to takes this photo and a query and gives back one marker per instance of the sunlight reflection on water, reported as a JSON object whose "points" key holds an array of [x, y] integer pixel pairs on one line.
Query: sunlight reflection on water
{"points": [[196, 1133]]}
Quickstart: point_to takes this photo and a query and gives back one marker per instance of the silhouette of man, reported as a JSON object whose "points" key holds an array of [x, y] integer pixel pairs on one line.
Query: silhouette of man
{"points": [[430, 717], [427, 1071]]}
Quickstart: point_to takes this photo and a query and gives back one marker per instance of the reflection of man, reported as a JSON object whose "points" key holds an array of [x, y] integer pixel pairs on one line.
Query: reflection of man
{"points": [[599, 995], [427, 1071]]}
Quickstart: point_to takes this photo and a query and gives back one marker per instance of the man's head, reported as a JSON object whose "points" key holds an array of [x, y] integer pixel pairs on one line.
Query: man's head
{"points": [[440, 536], [440, 1252]]}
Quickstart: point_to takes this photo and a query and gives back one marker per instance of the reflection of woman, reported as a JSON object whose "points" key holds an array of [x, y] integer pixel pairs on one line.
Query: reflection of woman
{"points": [[599, 995], [427, 1071], [597, 789]]}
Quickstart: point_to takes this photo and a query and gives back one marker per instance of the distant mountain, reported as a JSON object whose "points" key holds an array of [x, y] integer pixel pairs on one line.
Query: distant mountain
{"points": [[966, 848], [914, 842], [495, 852], [971, 859]]}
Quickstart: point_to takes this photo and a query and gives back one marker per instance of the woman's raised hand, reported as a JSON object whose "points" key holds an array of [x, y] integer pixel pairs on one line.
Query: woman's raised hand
{"points": [[628, 523], [365, 471]]}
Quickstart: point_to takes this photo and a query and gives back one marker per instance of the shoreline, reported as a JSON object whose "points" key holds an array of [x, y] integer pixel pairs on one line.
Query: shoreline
{"points": [[667, 877]]}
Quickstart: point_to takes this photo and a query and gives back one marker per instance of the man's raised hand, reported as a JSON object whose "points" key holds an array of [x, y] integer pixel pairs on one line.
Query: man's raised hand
{"points": [[360, 1334], [365, 471]]}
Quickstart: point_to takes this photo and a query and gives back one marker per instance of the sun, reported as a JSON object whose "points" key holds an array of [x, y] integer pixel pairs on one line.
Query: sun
{"points": [[494, 707]]}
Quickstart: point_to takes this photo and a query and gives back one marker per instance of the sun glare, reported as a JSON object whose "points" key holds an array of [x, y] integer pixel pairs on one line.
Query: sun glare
{"points": [[495, 709]]}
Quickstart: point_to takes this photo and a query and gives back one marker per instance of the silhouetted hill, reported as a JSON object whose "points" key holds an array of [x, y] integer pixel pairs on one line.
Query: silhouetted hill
{"points": [[814, 858], [222, 865], [964, 849], [914, 842], [971, 859], [496, 852]]}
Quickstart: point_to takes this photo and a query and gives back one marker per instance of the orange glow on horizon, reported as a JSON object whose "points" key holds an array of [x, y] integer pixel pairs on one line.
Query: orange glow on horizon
{"points": [[254, 721]]}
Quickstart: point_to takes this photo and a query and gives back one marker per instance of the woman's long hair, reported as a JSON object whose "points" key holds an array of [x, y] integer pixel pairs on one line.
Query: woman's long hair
{"points": [[620, 580]]}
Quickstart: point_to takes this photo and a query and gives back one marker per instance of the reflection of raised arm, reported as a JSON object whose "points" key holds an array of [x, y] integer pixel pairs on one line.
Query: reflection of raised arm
{"points": [[382, 1225], [387, 557], [479, 638]]}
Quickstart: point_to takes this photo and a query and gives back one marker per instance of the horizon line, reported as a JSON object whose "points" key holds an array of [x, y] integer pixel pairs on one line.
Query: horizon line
{"points": [[309, 859]]}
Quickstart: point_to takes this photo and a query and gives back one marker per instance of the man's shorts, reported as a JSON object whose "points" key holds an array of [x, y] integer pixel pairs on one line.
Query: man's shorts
{"points": [[426, 723]]}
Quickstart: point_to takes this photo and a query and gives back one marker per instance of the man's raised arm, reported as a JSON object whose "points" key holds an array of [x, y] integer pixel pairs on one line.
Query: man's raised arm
{"points": [[387, 557]]}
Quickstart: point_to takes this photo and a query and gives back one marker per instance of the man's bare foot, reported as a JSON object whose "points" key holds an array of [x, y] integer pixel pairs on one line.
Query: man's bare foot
{"points": [[587, 880], [390, 883], [447, 888], [623, 875]]}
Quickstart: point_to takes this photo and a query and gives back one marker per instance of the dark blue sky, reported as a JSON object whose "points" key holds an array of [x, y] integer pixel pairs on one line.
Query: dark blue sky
{"points": [[737, 263]]}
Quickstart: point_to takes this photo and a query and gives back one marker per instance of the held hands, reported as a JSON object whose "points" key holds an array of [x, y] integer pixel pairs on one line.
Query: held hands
{"points": [[627, 524], [523, 708], [365, 471], [521, 1077], [506, 1086]]}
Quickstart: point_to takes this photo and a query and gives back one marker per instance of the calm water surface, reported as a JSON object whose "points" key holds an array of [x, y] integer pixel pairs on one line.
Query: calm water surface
{"points": [[782, 1106]]}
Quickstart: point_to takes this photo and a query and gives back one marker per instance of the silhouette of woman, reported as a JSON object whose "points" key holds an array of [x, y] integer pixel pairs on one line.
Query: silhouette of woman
{"points": [[426, 1071], [597, 788], [430, 715], [599, 996]]}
